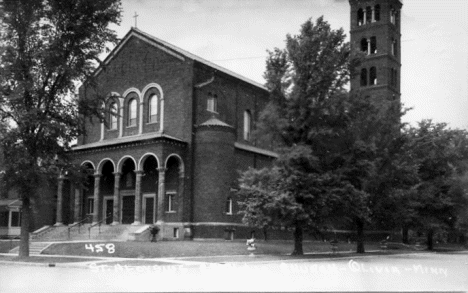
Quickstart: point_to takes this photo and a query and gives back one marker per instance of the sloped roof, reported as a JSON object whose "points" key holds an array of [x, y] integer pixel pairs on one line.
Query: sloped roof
{"points": [[125, 139], [175, 51], [215, 122]]}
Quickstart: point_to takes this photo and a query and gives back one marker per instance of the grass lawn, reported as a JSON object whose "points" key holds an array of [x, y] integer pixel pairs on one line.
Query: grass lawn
{"points": [[190, 248]]}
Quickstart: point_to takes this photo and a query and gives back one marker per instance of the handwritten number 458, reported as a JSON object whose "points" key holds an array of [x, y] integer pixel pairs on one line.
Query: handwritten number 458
{"points": [[99, 247]]}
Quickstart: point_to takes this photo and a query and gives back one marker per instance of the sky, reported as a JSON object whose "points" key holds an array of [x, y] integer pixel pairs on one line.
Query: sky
{"points": [[236, 35]]}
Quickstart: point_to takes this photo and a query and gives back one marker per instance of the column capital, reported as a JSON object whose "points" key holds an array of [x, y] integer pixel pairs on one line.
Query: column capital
{"points": [[61, 177], [161, 170], [117, 173], [139, 172], [97, 175]]}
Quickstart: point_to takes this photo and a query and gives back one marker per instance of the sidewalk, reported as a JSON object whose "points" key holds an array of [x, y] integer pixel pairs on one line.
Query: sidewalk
{"points": [[101, 262]]}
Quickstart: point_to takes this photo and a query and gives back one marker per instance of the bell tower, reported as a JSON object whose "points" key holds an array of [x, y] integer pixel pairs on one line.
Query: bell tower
{"points": [[375, 31]]}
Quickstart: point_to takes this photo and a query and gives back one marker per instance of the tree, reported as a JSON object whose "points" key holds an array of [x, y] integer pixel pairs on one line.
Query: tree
{"points": [[441, 155], [48, 46], [305, 80], [331, 143]]}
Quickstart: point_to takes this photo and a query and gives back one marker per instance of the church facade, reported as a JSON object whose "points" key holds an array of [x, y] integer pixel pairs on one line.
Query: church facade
{"points": [[178, 129]]}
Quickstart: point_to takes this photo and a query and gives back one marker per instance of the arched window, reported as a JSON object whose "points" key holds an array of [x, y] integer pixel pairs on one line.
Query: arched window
{"points": [[153, 109], [373, 76], [377, 12], [229, 206], [363, 77], [247, 125], [368, 14], [360, 17], [373, 45], [212, 103], [392, 15], [132, 112], [113, 111], [394, 47], [393, 77], [364, 45]]}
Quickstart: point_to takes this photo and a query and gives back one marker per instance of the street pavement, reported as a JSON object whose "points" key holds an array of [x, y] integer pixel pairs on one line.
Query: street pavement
{"points": [[404, 272]]}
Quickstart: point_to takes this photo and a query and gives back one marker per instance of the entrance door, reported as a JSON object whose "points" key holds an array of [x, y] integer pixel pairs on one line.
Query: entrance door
{"points": [[149, 210], [109, 211], [128, 209]]}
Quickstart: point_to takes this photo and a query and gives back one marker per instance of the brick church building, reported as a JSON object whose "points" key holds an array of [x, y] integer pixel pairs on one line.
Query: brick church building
{"points": [[178, 130]]}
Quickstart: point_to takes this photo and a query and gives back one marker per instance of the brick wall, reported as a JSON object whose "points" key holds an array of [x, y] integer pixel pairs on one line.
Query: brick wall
{"points": [[136, 65]]}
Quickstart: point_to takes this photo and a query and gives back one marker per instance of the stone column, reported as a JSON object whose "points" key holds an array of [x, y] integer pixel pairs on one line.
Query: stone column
{"points": [[161, 194], [77, 210], [364, 21], [59, 220], [140, 108], [137, 221], [116, 212], [373, 14], [368, 46], [97, 181]]}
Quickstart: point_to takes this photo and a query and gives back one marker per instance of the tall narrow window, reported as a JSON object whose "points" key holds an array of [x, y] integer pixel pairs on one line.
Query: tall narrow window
{"points": [[377, 12], [363, 77], [90, 209], [397, 18], [170, 202], [364, 45], [229, 206], [360, 17], [15, 219], [4, 218], [392, 15], [373, 45], [153, 109], [212, 103], [368, 14], [113, 115], [394, 47], [373, 76], [132, 113], [247, 125]]}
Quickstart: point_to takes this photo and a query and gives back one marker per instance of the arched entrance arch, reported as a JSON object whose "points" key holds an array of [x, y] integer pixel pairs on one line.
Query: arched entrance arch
{"points": [[84, 198], [149, 165], [127, 186], [171, 188]]}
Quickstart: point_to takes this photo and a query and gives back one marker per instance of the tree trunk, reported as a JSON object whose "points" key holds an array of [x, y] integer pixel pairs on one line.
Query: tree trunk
{"points": [[360, 236], [265, 233], [430, 240], [298, 237], [404, 234], [24, 238]]}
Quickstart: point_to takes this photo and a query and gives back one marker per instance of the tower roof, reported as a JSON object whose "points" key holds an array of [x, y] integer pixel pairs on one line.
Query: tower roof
{"points": [[215, 122]]}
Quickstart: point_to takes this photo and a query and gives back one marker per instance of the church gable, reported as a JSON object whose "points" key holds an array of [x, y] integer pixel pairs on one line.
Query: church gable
{"points": [[137, 62]]}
